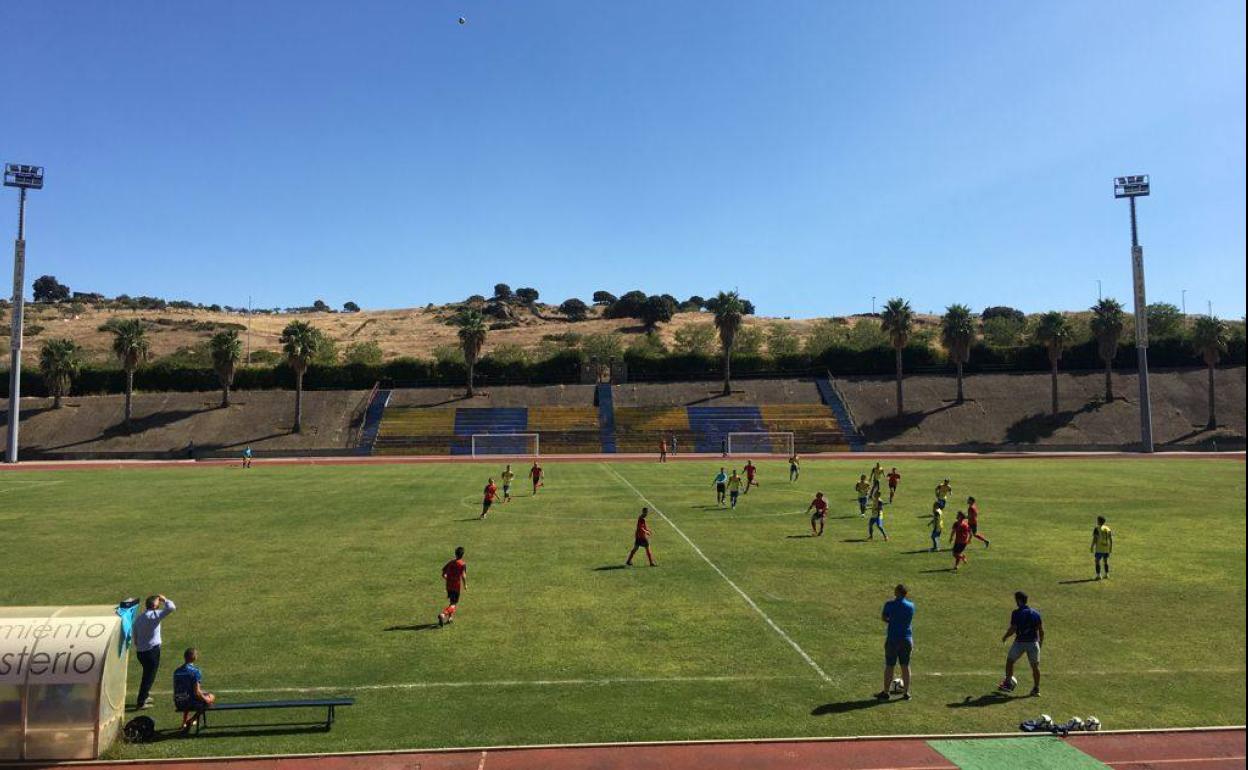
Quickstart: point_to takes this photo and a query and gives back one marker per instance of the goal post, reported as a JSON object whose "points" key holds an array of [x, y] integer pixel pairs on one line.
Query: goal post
{"points": [[774, 443], [520, 444]]}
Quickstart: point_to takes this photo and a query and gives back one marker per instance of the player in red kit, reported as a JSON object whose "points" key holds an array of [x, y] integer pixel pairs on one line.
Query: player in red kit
{"points": [[487, 497], [961, 537], [536, 474], [972, 518], [820, 508], [641, 539], [893, 478], [750, 470], [455, 573]]}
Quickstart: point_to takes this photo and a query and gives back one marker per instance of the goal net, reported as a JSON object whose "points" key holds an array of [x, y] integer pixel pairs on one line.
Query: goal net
{"points": [[760, 444], [506, 444]]}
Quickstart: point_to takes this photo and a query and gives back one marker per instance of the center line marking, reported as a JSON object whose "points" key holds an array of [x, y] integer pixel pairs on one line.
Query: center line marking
{"points": [[780, 631]]}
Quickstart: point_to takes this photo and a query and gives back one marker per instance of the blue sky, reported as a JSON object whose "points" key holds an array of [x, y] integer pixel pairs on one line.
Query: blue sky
{"points": [[812, 154]]}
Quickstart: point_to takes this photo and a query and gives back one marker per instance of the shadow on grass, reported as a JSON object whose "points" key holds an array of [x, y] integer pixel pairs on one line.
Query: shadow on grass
{"points": [[921, 550], [932, 571], [1075, 582], [797, 537], [418, 627], [855, 540], [845, 707], [991, 699], [610, 567]]}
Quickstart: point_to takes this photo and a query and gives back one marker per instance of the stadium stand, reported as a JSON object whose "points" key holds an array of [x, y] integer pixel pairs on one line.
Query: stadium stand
{"points": [[566, 429], [639, 428], [604, 397], [372, 421]]}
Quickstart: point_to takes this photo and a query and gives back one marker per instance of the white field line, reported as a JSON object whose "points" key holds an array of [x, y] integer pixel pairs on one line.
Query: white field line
{"points": [[1189, 761], [766, 618], [498, 683]]}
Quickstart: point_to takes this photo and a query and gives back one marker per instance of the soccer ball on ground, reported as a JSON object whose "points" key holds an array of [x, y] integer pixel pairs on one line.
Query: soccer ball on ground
{"points": [[1008, 684], [1092, 724], [897, 687]]}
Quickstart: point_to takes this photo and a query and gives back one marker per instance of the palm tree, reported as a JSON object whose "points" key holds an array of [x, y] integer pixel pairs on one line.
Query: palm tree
{"points": [[1053, 331], [729, 315], [226, 351], [59, 362], [1108, 321], [472, 331], [300, 341], [897, 321], [1210, 336], [957, 334], [131, 346]]}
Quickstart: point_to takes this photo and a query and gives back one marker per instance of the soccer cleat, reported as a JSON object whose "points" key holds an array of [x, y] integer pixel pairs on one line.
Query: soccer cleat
{"points": [[1006, 686], [1035, 692], [987, 543], [905, 695], [882, 695], [441, 619]]}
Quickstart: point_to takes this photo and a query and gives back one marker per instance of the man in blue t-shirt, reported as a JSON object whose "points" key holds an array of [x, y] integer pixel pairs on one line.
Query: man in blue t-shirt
{"points": [[189, 695], [1028, 632], [898, 642]]}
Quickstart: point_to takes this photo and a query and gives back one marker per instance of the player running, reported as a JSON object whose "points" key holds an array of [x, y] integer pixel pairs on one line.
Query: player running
{"points": [[893, 478], [721, 487], [820, 508], [247, 457], [938, 527], [735, 483], [455, 573], [537, 476], [942, 493], [877, 473], [641, 539], [507, 477], [877, 517], [487, 497], [1102, 546], [960, 537], [795, 468], [863, 488], [972, 518], [750, 471]]}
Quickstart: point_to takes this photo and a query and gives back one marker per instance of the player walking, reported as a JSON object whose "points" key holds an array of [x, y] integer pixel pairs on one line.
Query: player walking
{"points": [[942, 493], [455, 573], [972, 518], [794, 467], [877, 517], [641, 539], [1028, 631], [938, 527], [721, 487], [487, 497], [820, 508], [507, 477], [893, 478], [863, 488], [537, 476], [960, 536], [734, 488], [1102, 546], [662, 450], [877, 473], [750, 470], [247, 457]]}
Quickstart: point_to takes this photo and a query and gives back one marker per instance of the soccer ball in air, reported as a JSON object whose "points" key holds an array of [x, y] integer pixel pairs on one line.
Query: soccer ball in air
{"points": [[897, 686], [462, 20]]}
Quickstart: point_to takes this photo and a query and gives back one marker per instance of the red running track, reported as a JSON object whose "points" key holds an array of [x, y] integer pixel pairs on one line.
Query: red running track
{"points": [[1199, 750]]}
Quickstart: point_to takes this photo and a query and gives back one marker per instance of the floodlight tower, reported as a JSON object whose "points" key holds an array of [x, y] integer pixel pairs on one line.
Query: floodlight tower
{"points": [[1132, 187], [24, 178]]}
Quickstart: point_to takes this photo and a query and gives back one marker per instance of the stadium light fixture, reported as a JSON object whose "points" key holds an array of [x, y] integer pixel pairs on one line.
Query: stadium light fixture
{"points": [[24, 177], [1132, 187]]}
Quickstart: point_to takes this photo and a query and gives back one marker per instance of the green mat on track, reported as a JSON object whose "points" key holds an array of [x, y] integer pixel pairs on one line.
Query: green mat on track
{"points": [[1037, 753]]}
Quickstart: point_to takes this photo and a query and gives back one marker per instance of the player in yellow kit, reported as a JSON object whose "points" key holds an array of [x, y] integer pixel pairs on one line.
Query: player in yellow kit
{"points": [[943, 490], [1102, 545], [507, 477], [863, 488]]}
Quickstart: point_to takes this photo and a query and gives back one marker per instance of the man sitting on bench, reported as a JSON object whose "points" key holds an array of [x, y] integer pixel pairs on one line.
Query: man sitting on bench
{"points": [[189, 696]]}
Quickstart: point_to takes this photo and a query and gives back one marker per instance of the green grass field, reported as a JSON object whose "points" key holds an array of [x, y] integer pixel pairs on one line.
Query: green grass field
{"points": [[327, 577]]}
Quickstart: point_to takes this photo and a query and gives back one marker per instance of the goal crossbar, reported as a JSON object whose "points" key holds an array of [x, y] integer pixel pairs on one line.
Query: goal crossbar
{"points": [[506, 444], [761, 442]]}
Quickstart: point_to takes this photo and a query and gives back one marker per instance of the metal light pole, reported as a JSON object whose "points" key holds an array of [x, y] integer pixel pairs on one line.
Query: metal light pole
{"points": [[1184, 306], [1098, 289], [24, 178], [1132, 187]]}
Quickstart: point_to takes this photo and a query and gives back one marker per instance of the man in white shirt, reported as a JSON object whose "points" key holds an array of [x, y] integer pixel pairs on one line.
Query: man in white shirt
{"points": [[147, 643]]}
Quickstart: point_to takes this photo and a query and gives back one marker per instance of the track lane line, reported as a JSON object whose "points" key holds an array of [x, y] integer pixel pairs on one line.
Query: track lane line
{"points": [[752, 604]]}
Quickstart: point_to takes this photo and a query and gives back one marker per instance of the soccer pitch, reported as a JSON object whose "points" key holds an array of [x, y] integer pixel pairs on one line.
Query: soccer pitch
{"points": [[326, 578]]}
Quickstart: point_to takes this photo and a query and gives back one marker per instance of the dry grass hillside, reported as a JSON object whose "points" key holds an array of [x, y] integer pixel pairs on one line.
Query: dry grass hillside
{"points": [[414, 332]]}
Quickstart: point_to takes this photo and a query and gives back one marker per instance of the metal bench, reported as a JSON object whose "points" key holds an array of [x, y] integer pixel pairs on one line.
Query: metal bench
{"points": [[329, 704]]}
